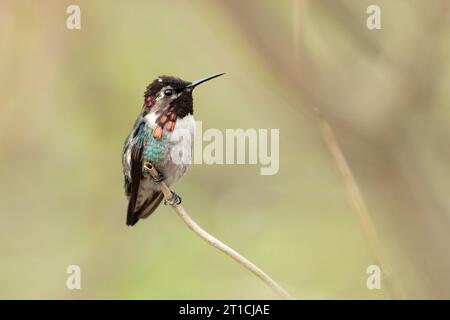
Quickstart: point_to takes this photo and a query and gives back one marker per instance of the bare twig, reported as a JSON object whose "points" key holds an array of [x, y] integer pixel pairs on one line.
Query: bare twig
{"points": [[352, 189], [297, 34], [179, 209], [358, 204]]}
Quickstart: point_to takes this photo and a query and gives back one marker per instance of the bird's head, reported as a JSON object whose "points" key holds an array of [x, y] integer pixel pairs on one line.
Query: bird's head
{"points": [[171, 94]]}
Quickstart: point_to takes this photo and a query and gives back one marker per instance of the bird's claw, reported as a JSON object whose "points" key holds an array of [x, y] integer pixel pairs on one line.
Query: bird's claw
{"points": [[147, 173], [174, 200], [160, 177]]}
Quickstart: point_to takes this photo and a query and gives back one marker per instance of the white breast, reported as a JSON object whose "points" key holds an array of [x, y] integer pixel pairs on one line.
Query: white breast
{"points": [[187, 123], [176, 167], [182, 140]]}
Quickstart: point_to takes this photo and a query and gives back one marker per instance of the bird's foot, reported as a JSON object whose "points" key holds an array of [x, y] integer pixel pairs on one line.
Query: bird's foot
{"points": [[147, 172], [160, 177], [174, 199]]}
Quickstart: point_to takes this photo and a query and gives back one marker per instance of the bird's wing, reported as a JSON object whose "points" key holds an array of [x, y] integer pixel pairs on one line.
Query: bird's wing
{"points": [[150, 205], [126, 161], [137, 146]]}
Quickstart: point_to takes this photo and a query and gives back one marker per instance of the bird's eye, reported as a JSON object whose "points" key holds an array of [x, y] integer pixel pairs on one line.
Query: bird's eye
{"points": [[168, 92]]}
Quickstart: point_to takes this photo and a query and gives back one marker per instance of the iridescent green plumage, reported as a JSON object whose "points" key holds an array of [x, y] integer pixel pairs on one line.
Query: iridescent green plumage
{"points": [[155, 150]]}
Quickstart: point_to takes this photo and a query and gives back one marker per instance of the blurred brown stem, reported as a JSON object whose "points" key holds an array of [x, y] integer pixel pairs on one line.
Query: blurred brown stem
{"points": [[357, 202], [298, 9], [351, 186], [179, 209]]}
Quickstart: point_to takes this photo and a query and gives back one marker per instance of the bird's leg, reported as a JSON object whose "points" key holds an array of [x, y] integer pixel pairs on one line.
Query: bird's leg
{"points": [[174, 199], [149, 169], [160, 177], [147, 172]]}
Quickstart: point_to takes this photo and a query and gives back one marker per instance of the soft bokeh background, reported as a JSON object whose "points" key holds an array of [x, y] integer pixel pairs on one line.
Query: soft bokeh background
{"points": [[69, 98]]}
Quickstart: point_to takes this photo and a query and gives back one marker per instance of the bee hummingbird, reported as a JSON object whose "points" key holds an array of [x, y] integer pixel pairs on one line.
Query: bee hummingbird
{"points": [[167, 109]]}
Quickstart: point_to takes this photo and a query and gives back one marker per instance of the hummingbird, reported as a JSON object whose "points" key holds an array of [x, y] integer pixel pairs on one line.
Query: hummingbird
{"points": [[167, 110]]}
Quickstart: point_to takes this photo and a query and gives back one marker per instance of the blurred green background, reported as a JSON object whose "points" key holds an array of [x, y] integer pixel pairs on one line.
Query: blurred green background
{"points": [[68, 98]]}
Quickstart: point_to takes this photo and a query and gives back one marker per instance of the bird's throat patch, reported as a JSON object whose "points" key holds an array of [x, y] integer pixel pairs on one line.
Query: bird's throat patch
{"points": [[167, 120]]}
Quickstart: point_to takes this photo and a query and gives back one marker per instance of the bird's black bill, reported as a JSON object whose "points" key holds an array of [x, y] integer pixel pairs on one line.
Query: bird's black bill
{"points": [[196, 83]]}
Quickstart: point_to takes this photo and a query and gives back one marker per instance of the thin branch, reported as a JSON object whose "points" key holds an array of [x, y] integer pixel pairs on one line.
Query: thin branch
{"points": [[358, 204], [297, 34], [351, 186], [179, 209]]}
